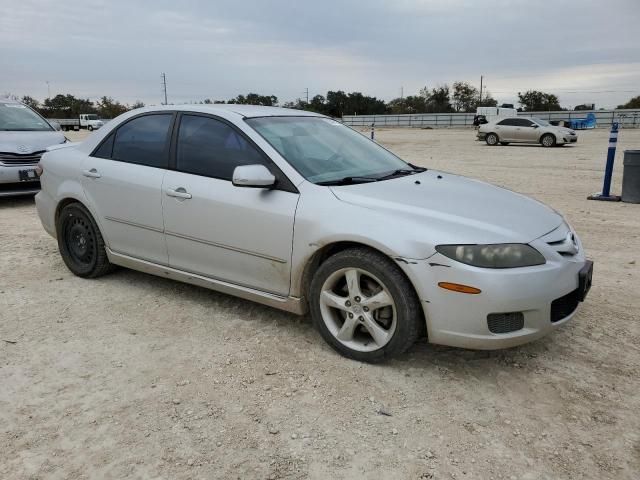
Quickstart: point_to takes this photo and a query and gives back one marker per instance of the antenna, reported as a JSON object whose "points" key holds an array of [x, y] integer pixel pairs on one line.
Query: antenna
{"points": [[164, 86]]}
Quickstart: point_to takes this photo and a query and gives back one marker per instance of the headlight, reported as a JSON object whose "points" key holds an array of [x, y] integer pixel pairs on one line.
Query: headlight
{"points": [[503, 255]]}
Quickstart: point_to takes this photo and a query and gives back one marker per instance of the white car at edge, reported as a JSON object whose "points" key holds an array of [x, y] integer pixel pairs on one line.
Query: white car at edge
{"points": [[294, 210]]}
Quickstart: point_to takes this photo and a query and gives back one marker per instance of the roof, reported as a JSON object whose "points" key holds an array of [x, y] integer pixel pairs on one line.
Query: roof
{"points": [[246, 111]]}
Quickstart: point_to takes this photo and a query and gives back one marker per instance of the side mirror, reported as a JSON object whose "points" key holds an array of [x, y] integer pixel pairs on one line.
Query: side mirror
{"points": [[535, 125], [254, 176], [55, 125]]}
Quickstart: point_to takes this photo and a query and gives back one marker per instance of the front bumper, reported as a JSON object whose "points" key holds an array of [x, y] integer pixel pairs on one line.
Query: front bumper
{"points": [[15, 180], [461, 320]]}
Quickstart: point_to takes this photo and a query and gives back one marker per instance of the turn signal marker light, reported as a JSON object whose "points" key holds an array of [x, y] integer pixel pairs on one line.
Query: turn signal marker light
{"points": [[456, 287]]}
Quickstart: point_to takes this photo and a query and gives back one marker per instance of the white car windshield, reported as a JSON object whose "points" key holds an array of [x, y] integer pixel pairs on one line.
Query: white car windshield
{"points": [[323, 150], [15, 117]]}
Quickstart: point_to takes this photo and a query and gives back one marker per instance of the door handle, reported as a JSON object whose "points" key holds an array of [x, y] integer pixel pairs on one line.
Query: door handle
{"points": [[179, 192], [93, 173]]}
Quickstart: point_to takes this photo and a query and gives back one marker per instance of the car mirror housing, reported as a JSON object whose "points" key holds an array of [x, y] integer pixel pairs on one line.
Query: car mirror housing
{"points": [[253, 176]]}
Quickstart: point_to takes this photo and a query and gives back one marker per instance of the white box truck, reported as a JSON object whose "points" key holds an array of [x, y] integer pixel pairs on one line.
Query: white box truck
{"points": [[90, 121]]}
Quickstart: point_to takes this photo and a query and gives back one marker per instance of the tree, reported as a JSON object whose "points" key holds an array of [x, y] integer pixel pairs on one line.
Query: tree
{"points": [[137, 104], [487, 101], [31, 102], [535, 101], [66, 106], [255, 99], [437, 100], [465, 97], [410, 104], [633, 103], [110, 108]]}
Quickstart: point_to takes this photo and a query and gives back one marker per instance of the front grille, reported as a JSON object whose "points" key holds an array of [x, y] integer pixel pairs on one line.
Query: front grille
{"points": [[564, 306], [505, 322], [18, 159]]}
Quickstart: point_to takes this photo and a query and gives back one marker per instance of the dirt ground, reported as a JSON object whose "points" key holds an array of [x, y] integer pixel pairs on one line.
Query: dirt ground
{"points": [[135, 376]]}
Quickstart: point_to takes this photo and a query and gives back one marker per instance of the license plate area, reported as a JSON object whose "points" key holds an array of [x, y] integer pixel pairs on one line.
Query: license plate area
{"points": [[585, 279], [27, 175]]}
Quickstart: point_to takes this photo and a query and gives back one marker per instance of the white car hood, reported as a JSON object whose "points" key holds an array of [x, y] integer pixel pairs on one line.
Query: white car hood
{"points": [[454, 209], [29, 142]]}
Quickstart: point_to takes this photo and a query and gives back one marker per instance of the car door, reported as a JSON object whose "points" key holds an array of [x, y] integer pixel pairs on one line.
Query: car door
{"points": [[122, 180], [213, 228], [506, 130], [526, 130]]}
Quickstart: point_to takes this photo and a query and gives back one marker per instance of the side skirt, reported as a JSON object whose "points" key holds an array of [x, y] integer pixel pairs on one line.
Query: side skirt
{"points": [[289, 304]]}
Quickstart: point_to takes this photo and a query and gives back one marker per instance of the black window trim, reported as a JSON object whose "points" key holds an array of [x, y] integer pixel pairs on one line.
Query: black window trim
{"points": [[283, 182], [167, 150]]}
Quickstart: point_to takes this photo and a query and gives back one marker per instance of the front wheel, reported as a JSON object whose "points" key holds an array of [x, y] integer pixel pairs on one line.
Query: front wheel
{"points": [[364, 306], [90, 128], [491, 139], [80, 243], [548, 140]]}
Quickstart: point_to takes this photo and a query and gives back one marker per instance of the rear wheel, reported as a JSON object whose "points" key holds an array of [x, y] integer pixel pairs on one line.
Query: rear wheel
{"points": [[548, 140], [364, 306], [491, 139], [80, 243]]}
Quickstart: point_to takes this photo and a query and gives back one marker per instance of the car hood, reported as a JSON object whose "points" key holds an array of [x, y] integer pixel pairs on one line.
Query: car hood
{"points": [[28, 142], [453, 209]]}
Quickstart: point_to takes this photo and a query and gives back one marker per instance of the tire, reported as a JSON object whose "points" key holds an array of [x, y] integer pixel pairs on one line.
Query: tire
{"points": [[80, 242], [504, 143], [337, 310], [548, 140], [90, 128], [491, 139]]}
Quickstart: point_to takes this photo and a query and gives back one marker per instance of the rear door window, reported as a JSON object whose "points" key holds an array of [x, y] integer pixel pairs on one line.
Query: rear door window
{"points": [[143, 140]]}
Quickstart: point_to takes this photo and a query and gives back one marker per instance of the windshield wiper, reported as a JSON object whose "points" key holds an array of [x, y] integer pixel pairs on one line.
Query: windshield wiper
{"points": [[348, 181], [401, 172]]}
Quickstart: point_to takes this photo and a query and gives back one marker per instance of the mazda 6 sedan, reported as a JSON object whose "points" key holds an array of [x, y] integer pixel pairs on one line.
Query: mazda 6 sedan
{"points": [[299, 212]]}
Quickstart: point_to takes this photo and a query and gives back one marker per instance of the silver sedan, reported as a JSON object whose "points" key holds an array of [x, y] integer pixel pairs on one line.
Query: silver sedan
{"points": [[525, 130], [297, 211]]}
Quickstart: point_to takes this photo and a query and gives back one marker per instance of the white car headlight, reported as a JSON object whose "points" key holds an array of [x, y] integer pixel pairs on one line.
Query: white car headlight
{"points": [[503, 255]]}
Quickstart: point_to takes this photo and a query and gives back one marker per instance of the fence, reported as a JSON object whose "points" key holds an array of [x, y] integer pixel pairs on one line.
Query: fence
{"points": [[604, 118]]}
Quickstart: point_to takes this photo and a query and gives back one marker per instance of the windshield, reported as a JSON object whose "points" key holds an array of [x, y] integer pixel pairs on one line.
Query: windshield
{"points": [[542, 123], [18, 117], [92, 116], [323, 150]]}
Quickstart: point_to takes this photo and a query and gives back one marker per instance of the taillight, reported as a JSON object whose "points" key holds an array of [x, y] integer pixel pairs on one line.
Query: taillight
{"points": [[39, 170]]}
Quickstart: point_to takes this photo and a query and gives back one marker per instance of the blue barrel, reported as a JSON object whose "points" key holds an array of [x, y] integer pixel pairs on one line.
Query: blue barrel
{"points": [[631, 177]]}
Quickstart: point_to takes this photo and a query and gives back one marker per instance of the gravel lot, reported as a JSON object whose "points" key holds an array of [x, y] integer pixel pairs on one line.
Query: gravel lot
{"points": [[135, 376]]}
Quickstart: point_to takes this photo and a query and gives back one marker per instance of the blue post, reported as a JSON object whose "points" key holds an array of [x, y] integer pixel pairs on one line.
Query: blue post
{"points": [[372, 131], [608, 171]]}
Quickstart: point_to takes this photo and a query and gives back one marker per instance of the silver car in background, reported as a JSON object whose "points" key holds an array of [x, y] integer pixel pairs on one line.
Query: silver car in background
{"points": [[525, 130], [297, 211], [24, 137]]}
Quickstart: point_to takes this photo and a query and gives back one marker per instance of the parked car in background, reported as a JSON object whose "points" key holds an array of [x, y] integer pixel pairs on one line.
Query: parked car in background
{"points": [[300, 212], [525, 130], [24, 136], [90, 121]]}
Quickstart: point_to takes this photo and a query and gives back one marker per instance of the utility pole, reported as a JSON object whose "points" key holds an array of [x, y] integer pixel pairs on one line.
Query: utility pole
{"points": [[164, 86], [480, 101], [48, 89], [401, 92], [307, 92]]}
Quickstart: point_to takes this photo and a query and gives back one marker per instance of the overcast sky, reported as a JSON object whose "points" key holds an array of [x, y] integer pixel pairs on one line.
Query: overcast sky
{"points": [[582, 50]]}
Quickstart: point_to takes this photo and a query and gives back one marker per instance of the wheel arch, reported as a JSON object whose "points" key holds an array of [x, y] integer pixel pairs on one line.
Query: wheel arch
{"points": [[323, 253]]}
